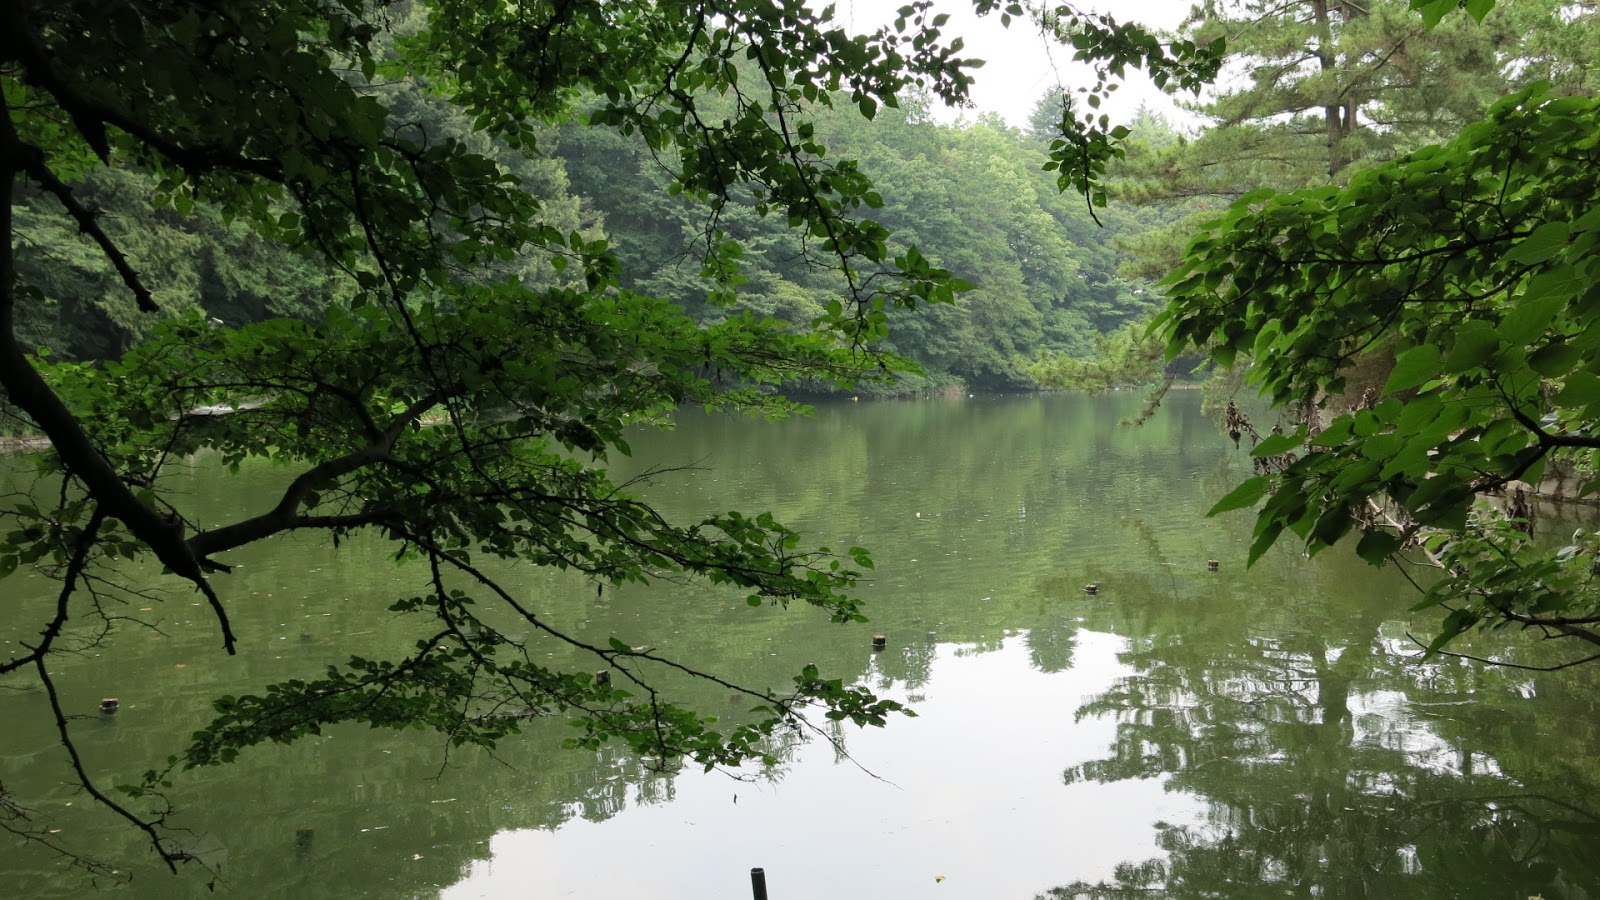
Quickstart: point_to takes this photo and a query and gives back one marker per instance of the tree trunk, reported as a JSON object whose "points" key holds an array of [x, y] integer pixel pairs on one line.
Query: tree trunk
{"points": [[1331, 109]]}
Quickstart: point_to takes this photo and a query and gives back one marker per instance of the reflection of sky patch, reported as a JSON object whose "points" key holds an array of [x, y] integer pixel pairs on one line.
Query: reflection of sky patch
{"points": [[1385, 719], [977, 797]]}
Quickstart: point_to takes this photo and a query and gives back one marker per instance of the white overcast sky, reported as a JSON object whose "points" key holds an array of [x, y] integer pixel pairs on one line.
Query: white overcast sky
{"points": [[1019, 63]]}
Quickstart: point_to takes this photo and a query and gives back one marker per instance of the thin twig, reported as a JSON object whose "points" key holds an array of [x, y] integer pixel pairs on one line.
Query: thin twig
{"points": [[170, 857], [1503, 664], [89, 223]]}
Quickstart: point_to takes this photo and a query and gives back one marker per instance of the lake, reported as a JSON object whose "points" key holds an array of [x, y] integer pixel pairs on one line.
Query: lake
{"points": [[1181, 733]]}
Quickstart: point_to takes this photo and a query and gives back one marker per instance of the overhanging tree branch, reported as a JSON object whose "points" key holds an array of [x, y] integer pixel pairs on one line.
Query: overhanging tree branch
{"points": [[285, 515], [89, 224]]}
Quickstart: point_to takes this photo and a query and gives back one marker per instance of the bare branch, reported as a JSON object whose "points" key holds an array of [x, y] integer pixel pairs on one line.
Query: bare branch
{"points": [[285, 515], [75, 567], [1501, 663], [14, 819], [170, 857], [89, 224], [90, 116]]}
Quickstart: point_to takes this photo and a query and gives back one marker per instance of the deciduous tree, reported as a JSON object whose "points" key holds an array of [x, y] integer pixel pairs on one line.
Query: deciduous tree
{"points": [[478, 359], [1476, 264]]}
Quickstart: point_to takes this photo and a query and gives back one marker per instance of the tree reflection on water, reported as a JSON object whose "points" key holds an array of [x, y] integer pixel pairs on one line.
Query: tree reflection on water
{"points": [[1336, 765]]}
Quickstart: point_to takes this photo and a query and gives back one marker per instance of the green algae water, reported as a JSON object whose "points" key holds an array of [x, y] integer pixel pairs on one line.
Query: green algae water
{"points": [[1179, 733]]}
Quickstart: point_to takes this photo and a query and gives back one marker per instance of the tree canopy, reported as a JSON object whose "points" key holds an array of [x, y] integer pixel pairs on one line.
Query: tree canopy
{"points": [[465, 353], [971, 196], [1431, 324], [1316, 91]]}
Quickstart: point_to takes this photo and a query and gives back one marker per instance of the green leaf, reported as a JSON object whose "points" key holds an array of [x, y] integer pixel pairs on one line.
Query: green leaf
{"points": [[1246, 494], [1263, 542], [1475, 343], [1454, 624], [1580, 390], [1413, 367], [1337, 432], [1332, 525], [1433, 10], [1251, 198], [1530, 318], [1449, 512], [1555, 359], [1382, 446], [1545, 242], [1278, 444], [1376, 546]]}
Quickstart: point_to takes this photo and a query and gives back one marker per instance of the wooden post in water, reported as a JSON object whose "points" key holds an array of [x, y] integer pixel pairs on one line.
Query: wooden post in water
{"points": [[758, 883]]}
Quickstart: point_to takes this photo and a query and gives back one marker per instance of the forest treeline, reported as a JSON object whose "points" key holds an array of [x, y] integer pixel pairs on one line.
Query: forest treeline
{"points": [[1044, 275], [1314, 91]]}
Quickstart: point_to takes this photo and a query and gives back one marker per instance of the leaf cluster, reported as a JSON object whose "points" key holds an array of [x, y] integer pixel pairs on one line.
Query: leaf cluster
{"points": [[1475, 263]]}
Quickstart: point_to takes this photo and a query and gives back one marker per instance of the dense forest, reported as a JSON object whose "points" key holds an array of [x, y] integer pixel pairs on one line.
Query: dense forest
{"points": [[1052, 285], [1045, 276]]}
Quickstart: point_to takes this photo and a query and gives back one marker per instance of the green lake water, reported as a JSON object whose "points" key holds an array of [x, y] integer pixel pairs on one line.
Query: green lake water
{"points": [[1246, 733]]}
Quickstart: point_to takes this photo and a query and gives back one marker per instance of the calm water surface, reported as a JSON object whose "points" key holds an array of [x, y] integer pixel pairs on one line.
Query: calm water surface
{"points": [[1262, 733]]}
